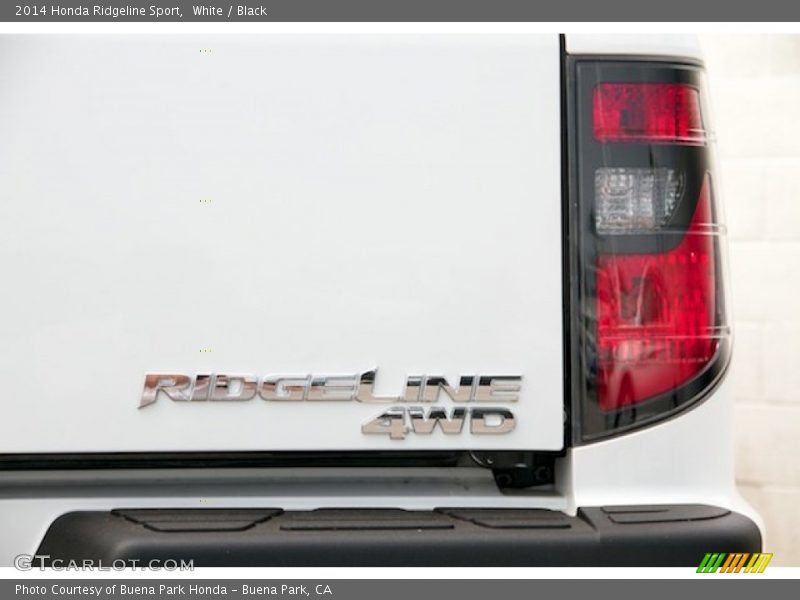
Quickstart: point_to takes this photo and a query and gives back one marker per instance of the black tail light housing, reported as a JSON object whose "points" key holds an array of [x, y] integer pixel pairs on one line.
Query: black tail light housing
{"points": [[649, 334]]}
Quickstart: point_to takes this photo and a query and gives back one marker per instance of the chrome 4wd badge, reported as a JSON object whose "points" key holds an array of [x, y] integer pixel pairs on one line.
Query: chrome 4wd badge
{"points": [[409, 415]]}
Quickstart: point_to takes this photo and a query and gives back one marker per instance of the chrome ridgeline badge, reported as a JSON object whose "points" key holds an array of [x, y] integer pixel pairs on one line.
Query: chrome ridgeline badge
{"points": [[418, 416]]}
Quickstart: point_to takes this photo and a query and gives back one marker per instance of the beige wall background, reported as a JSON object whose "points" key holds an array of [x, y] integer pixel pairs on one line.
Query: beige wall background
{"points": [[755, 96]]}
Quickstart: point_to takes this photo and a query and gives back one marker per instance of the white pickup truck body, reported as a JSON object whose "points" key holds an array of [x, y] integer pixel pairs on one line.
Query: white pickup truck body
{"points": [[224, 254]]}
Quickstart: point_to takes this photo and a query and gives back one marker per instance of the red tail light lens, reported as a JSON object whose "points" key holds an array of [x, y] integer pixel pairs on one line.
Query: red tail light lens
{"points": [[666, 113], [656, 315], [651, 330]]}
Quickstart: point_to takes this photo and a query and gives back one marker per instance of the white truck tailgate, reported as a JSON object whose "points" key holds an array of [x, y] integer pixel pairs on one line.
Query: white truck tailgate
{"points": [[284, 208]]}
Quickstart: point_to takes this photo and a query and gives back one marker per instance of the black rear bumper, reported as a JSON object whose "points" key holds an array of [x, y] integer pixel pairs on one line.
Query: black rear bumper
{"points": [[677, 535]]}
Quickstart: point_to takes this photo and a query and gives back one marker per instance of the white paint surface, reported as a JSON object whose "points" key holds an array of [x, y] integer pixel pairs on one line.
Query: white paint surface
{"points": [[676, 45], [389, 201]]}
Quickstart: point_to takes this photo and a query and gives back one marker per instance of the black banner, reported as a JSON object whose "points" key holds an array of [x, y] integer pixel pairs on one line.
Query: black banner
{"points": [[739, 587], [405, 10]]}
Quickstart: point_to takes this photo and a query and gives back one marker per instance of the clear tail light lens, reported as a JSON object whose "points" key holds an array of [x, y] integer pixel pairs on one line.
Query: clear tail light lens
{"points": [[649, 319], [634, 200]]}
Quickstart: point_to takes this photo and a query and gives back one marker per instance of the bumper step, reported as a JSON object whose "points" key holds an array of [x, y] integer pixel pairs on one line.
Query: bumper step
{"points": [[674, 535]]}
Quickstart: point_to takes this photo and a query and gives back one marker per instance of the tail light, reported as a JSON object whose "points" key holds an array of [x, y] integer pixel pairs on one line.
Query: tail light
{"points": [[645, 240]]}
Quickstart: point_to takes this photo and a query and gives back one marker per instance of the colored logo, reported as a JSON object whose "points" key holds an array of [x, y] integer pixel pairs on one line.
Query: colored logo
{"points": [[734, 563]]}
